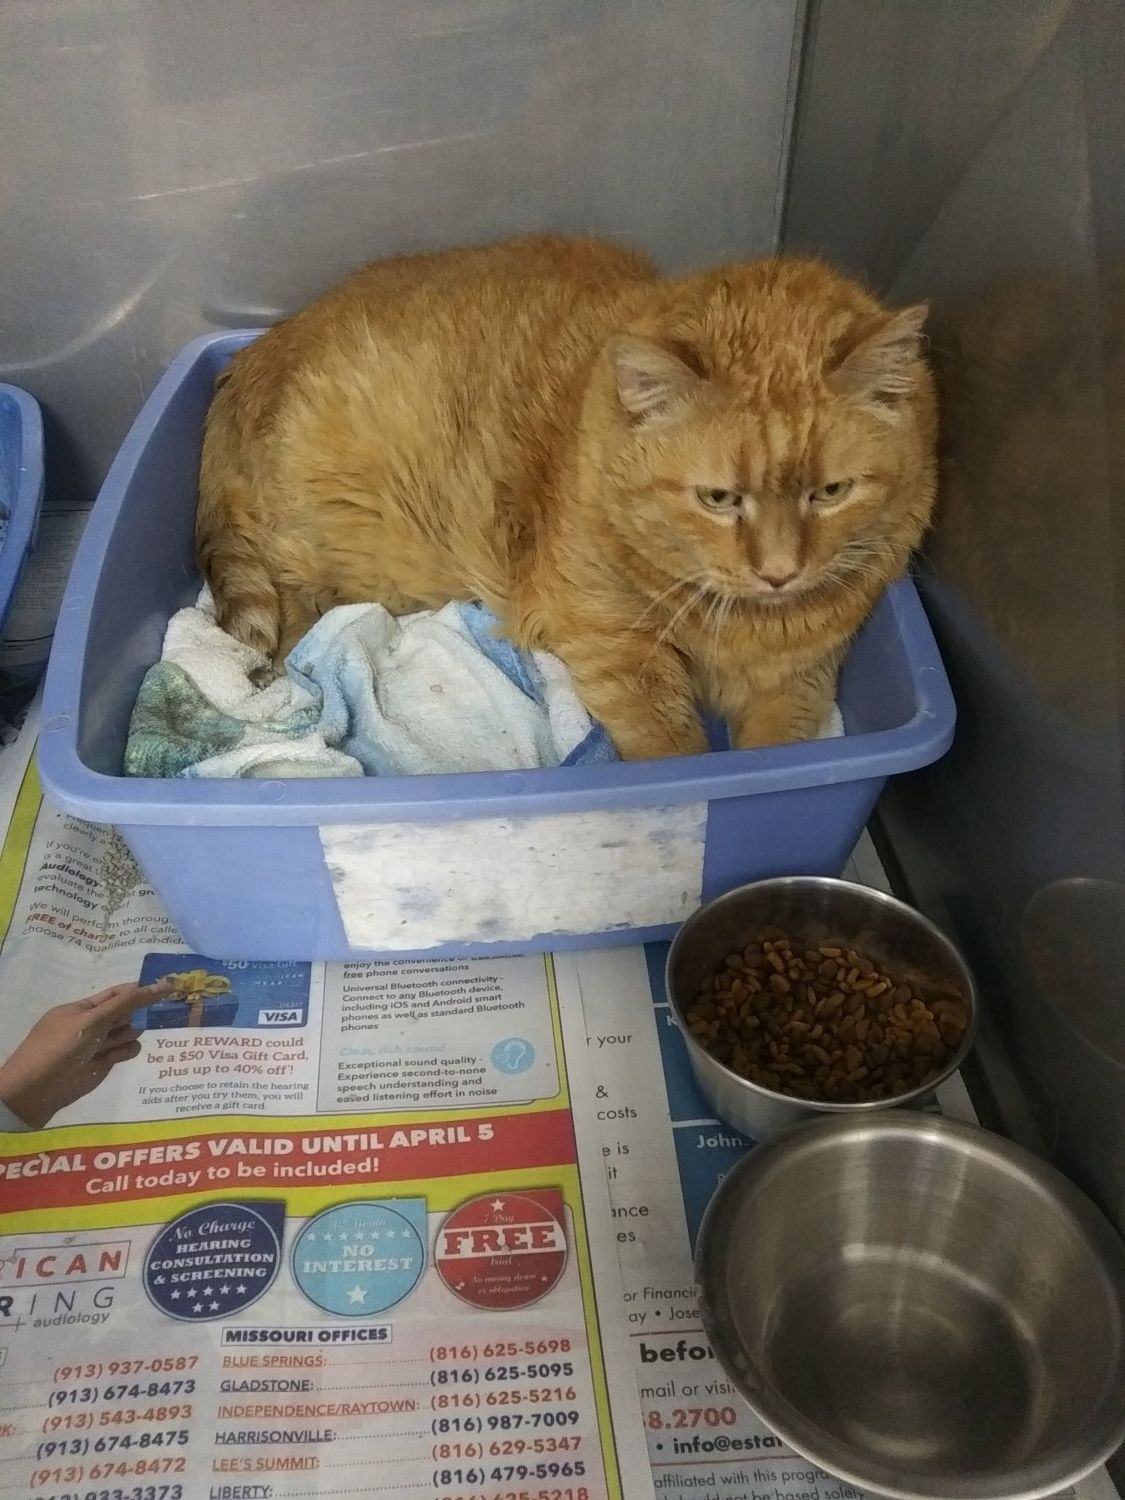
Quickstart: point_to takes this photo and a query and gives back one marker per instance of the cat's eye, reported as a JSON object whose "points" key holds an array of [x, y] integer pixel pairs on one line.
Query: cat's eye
{"points": [[719, 499], [832, 494]]}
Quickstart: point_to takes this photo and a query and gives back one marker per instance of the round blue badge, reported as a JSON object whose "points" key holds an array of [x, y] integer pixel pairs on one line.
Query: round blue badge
{"points": [[513, 1055], [214, 1261], [358, 1259]]}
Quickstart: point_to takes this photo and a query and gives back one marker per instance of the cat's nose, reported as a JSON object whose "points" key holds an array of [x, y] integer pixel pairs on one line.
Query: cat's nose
{"points": [[776, 579]]}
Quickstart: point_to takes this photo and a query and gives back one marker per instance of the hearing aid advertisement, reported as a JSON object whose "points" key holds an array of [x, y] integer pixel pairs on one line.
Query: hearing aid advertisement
{"points": [[333, 1229], [219, 1036], [205, 1312]]}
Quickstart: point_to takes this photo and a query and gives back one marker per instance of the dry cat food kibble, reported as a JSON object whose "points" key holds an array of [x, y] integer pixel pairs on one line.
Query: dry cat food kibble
{"points": [[825, 1023]]}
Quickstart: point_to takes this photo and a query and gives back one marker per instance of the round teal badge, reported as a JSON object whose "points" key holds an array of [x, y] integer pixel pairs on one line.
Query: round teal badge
{"points": [[358, 1259]]}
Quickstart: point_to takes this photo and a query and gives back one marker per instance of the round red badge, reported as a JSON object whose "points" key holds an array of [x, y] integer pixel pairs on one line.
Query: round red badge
{"points": [[504, 1250]]}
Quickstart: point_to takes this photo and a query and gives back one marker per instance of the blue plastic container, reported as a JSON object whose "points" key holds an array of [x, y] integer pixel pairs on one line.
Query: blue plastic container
{"points": [[21, 486], [436, 865]]}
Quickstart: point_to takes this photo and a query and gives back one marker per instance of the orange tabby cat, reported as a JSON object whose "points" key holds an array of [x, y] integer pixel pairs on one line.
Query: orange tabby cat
{"points": [[692, 491]]}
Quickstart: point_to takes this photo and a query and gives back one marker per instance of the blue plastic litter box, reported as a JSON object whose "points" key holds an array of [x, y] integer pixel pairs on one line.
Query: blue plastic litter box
{"points": [[459, 865], [21, 486]]}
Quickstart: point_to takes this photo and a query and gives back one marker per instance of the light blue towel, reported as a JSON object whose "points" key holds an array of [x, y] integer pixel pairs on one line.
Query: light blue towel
{"points": [[522, 668], [364, 694], [440, 691]]}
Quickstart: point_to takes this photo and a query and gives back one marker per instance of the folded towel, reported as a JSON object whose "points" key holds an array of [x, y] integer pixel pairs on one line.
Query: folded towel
{"points": [[440, 691], [200, 712], [364, 694]]}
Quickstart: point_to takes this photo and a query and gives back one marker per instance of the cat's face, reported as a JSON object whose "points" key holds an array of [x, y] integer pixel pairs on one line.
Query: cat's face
{"points": [[772, 483]]}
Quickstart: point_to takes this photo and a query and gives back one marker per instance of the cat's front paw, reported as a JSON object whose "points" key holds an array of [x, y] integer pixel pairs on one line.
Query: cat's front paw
{"points": [[659, 743]]}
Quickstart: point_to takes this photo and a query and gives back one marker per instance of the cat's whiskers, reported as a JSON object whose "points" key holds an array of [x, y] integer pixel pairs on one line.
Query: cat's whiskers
{"points": [[674, 587], [854, 585], [863, 561], [725, 608], [862, 548], [857, 570], [709, 617], [692, 600]]}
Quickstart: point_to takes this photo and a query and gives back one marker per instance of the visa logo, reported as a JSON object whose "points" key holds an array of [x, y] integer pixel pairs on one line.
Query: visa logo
{"points": [[279, 1018]]}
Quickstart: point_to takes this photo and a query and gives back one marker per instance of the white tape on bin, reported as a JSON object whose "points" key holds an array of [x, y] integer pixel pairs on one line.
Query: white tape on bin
{"points": [[403, 886]]}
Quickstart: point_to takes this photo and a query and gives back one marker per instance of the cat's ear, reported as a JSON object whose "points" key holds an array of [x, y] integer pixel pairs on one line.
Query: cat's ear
{"points": [[653, 380], [881, 365]]}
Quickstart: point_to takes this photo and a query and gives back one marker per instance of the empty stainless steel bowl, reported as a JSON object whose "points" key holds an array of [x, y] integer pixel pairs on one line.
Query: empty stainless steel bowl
{"points": [[810, 909], [919, 1307]]}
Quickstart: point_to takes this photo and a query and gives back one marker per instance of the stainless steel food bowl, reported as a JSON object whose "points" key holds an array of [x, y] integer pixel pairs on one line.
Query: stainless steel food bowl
{"points": [[810, 909], [919, 1307]]}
